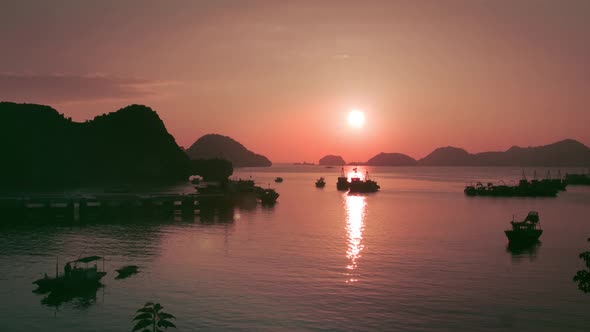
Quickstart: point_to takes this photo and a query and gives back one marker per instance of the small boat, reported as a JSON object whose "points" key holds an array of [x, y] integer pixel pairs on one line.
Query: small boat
{"points": [[267, 196], [127, 271], [363, 186], [320, 183], [278, 179], [525, 231], [74, 278]]}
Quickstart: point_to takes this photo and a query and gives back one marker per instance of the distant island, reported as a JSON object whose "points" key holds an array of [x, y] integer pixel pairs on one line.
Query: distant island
{"points": [[391, 159], [565, 153], [223, 147], [41, 147], [332, 160]]}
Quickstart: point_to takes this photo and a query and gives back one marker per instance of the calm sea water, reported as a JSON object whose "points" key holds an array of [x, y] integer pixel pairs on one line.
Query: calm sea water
{"points": [[416, 256]]}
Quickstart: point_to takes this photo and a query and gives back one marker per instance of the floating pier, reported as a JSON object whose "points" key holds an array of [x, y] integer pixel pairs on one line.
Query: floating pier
{"points": [[82, 207]]}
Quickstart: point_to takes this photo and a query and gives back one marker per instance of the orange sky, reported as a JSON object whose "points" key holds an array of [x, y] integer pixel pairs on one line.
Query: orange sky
{"points": [[280, 76]]}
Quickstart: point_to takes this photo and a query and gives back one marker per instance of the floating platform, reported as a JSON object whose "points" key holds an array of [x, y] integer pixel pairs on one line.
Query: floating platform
{"points": [[108, 205]]}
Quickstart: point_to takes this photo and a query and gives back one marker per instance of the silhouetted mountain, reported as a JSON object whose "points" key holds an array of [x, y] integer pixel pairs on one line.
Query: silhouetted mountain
{"points": [[332, 160], [217, 146], [448, 156], [563, 153], [391, 159], [41, 147]]}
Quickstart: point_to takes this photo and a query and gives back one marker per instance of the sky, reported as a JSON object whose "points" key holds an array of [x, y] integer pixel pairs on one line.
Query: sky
{"points": [[281, 76]]}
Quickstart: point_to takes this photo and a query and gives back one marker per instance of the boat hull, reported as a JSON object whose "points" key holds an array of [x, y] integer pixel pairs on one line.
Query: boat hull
{"points": [[63, 283], [529, 236], [364, 187]]}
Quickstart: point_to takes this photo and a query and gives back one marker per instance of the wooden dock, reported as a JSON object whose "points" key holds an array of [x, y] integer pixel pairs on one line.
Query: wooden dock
{"points": [[82, 207]]}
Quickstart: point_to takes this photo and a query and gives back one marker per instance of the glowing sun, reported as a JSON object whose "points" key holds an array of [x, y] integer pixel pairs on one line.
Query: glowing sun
{"points": [[356, 118]]}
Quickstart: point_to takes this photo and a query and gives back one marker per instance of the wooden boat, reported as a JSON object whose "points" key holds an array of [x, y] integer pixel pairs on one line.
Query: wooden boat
{"points": [[525, 231], [320, 183], [266, 196], [75, 277], [363, 186]]}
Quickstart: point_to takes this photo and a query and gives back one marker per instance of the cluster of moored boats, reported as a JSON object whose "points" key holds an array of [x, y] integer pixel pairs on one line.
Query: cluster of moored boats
{"points": [[547, 187]]}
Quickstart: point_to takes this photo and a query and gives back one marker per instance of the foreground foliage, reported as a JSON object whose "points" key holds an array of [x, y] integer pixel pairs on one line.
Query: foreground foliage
{"points": [[583, 276], [151, 315]]}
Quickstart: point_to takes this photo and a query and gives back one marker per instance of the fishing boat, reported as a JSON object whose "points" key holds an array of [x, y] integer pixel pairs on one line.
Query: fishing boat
{"points": [[267, 196], [526, 231], [278, 179], [127, 271], [578, 179], [363, 186], [320, 183], [75, 277], [342, 183]]}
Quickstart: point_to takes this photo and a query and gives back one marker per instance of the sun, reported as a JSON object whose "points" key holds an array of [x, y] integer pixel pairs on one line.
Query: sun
{"points": [[356, 118]]}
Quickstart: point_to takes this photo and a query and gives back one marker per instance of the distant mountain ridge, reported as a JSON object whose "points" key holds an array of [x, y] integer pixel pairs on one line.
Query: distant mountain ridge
{"points": [[223, 147], [42, 147], [564, 153]]}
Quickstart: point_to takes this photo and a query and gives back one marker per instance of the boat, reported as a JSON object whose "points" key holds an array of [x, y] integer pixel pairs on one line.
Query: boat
{"points": [[278, 179], [525, 188], [363, 186], [526, 231], [320, 183], [578, 179], [266, 196], [75, 277], [559, 182], [342, 183], [127, 271]]}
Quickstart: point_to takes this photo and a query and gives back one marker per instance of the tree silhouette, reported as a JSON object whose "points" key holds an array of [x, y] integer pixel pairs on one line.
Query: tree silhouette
{"points": [[583, 276], [152, 315], [212, 169]]}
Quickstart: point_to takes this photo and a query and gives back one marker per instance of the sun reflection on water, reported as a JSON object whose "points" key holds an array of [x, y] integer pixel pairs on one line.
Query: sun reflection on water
{"points": [[355, 215]]}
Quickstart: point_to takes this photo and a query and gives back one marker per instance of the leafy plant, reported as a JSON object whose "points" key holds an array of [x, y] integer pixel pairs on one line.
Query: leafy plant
{"points": [[151, 315], [583, 276]]}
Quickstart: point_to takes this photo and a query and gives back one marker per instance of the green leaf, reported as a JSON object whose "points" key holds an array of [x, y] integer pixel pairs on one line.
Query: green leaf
{"points": [[141, 324], [147, 304], [143, 316], [145, 310], [165, 315], [158, 307], [166, 324]]}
